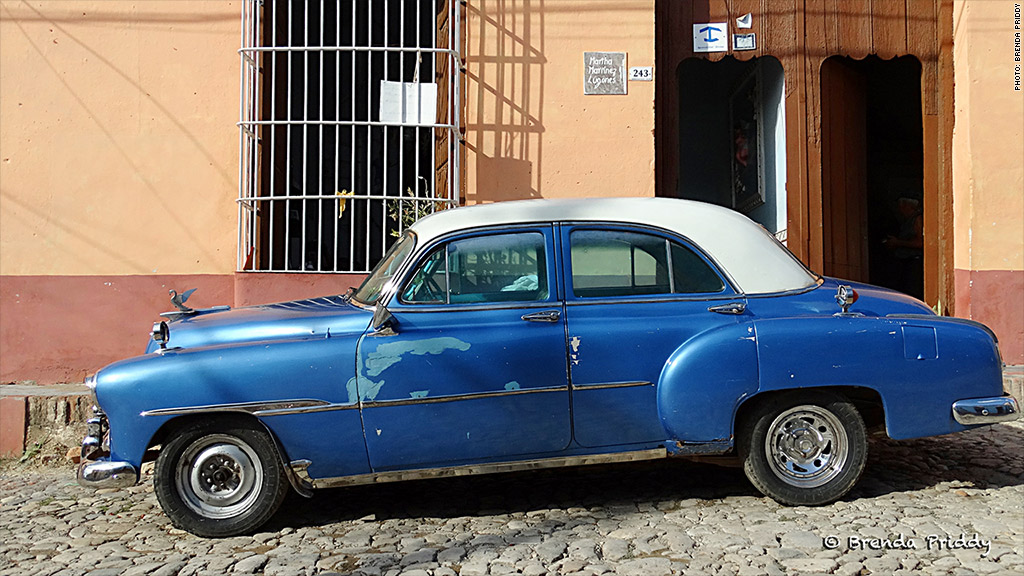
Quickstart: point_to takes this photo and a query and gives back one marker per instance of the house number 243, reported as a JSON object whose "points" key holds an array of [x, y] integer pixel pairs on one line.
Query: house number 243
{"points": [[641, 73]]}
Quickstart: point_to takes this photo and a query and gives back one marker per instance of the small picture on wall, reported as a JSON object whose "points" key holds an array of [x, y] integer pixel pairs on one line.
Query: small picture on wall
{"points": [[747, 142]]}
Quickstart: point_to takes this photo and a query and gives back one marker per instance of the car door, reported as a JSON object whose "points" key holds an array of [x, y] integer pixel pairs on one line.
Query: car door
{"points": [[633, 296], [474, 367]]}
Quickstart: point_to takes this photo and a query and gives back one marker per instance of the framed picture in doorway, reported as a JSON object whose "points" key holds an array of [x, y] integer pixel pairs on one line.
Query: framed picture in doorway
{"points": [[747, 124]]}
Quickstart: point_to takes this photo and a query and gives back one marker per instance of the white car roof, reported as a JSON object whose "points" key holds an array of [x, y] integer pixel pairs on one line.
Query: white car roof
{"points": [[747, 252]]}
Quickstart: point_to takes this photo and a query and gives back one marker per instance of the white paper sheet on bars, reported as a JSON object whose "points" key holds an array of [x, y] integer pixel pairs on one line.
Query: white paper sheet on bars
{"points": [[408, 102]]}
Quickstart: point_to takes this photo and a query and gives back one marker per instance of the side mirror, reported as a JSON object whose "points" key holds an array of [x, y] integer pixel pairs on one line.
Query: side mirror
{"points": [[383, 321]]}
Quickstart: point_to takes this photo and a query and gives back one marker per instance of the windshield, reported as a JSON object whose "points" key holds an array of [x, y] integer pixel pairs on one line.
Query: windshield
{"points": [[370, 290]]}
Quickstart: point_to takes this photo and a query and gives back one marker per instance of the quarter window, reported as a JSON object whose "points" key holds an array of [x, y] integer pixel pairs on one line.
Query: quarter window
{"points": [[608, 263], [499, 268]]}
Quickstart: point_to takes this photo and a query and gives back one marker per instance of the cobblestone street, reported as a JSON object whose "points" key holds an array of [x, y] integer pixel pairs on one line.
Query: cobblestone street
{"points": [[948, 505]]}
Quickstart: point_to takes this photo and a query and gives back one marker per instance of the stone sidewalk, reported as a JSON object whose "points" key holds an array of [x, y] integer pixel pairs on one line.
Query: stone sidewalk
{"points": [[947, 505]]}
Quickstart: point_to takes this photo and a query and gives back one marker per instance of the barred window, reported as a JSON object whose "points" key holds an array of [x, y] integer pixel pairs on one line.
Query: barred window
{"points": [[348, 128]]}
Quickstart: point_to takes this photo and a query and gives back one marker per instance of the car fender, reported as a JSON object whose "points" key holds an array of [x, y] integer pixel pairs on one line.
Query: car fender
{"points": [[918, 365], [704, 381], [294, 387]]}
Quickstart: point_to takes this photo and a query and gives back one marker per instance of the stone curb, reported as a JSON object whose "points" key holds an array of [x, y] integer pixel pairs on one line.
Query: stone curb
{"points": [[23, 408]]}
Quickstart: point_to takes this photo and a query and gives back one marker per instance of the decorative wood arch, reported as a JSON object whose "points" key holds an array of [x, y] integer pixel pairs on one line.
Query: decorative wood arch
{"points": [[802, 34]]}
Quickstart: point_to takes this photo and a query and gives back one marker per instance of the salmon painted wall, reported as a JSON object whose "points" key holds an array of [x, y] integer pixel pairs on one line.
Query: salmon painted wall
{"points": [[530, 130], [988, 171]]}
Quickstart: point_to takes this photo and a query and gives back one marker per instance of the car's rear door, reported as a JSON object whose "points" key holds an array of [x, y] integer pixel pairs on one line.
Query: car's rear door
{"points": [[633, 296], [475, 368]]}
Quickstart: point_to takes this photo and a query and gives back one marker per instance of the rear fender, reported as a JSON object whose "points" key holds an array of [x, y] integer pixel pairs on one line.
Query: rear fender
{"points": [[704, 382], [918, 365]]}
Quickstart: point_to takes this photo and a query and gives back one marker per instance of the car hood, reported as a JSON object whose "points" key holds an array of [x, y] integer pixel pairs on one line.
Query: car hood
{"points": [[313, 318]]}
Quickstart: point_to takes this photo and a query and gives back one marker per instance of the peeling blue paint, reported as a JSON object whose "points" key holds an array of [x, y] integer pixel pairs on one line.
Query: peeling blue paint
{"points": [[369, 389], [390, 353], [574, 355], [353, 392], [372, 389], [513, 385]]}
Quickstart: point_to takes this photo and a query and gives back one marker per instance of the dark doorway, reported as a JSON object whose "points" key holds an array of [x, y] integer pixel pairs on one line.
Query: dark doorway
{"points": [[872, 171], [732, 137]]}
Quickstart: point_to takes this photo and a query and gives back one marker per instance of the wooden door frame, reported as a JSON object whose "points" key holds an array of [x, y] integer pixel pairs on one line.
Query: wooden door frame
{"points": [[801, 36]]}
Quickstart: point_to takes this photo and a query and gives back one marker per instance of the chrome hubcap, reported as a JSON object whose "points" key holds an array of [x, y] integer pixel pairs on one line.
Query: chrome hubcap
{"points": [[218, 477], [806, 446]]}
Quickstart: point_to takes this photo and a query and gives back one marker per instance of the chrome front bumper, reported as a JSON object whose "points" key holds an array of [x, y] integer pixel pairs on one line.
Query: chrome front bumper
{"points": [[986, 410], [107, 474], [96, 471]]}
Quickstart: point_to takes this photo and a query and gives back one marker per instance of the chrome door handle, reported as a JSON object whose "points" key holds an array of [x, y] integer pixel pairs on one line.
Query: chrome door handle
{"points": [[733, 308], [545, 316]]}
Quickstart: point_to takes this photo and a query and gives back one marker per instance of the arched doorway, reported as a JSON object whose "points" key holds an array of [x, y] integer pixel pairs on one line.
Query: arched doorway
{"points": [[732, 137]]}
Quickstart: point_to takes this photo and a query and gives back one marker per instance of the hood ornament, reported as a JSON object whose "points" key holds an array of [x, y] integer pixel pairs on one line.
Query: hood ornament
{"points": [[179, 300], [845, 297], [184, 311]]}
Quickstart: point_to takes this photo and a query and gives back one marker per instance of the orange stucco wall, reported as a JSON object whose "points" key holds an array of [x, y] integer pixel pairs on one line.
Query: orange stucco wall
{"points": [[988, 171], [530, 130], [988, 139], [118, 141]]}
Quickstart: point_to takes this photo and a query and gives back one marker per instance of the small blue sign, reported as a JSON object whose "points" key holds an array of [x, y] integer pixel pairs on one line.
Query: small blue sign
{"points": [[711, 37]]}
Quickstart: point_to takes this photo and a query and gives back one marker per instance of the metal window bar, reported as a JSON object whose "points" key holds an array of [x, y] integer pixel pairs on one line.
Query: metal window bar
{"points": [[326, 184]]}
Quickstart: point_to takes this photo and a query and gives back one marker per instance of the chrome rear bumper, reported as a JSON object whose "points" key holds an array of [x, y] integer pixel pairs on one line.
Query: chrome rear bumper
{"points": [[986, 410]]}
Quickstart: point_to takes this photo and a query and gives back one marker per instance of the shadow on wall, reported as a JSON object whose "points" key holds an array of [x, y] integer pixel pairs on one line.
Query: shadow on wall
{"points": [[27, 18], [506, 86]]}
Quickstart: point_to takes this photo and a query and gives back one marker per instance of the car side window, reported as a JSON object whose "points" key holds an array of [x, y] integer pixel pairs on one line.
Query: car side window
{"points": [[608, 263], [691, 274], [496, 268]]}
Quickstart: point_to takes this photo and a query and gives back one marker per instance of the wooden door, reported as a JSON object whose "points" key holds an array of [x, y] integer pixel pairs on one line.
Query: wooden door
{"points": [[844, 170]]}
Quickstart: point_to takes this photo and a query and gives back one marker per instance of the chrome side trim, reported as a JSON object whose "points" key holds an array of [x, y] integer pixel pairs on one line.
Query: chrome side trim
{"points": [[655, 298], [286, 407], [606, 385], [986, 410], [266, 408], [412, 308], [299, 468], [458, 397], [324, 407], [107, 474]]}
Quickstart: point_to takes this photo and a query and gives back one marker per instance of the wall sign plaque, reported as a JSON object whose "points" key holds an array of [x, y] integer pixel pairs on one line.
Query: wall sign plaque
{"points": [[604, 72]]}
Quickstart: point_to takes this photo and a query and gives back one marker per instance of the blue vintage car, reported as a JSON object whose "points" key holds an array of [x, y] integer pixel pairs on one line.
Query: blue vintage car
{"points": [[535, 334]]}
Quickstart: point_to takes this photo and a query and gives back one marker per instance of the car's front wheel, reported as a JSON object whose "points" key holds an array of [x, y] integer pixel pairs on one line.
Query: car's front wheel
{"points": [[219, 478], [804, 448]]}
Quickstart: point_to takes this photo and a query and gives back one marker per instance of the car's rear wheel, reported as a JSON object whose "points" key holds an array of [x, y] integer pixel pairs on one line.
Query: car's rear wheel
{"points": [[220, 478], [804, 448]]}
